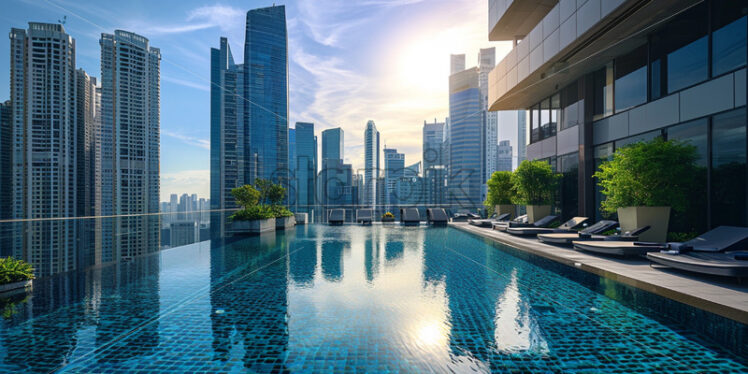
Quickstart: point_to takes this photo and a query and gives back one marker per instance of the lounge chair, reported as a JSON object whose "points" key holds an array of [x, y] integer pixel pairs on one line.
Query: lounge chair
{"points": [[565, 227], [543, 222], [721, 251], [364, 216], [502, 226], [721, 239], [410, 216], [488, 222], [589, 233], [464, 217], [437, 216], [336, 217]]}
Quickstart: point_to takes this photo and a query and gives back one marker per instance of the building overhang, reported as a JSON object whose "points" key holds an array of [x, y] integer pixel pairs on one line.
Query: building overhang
{"points": [[514, 19]]}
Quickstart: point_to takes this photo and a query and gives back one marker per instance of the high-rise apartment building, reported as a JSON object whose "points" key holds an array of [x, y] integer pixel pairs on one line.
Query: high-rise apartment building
{"points": [[44, 142], [306, 167], [130, 85], [371, 164], [6, 165], [595, 76], [466, 146], [266, 94]]}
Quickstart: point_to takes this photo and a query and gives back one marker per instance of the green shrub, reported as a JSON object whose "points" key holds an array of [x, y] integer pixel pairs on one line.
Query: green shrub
{"points": [[253, 213], [246, 196], [13, 270], [654, 173], [535, 183], [500, 190], [270, 193], [280, 211]]}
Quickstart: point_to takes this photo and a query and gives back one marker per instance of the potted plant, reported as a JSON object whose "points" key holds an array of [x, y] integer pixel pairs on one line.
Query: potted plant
{"points": [[644, 181], [15, 275], [535, 185], [501, 193], [253, 218], [272, 195], [388, 217]]}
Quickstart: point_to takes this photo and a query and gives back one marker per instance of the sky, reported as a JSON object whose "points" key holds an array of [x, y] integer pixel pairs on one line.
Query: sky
{"points": [[350, 61]]}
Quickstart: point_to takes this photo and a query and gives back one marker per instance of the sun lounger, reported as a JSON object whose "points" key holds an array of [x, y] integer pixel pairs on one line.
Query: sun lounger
{"points": [[721, 251], [410, 216], [502, 226], [336, 217], [587, 233], [720, 239], [437, 216], [565, 227], [488, 222], [464, 217], [364, 216], [543, 222]]}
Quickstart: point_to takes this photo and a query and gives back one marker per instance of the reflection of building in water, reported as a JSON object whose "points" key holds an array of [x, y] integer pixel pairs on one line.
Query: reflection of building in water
{"points": [[393, 252], [247, 310], [516, 329], [332, 260], [371, 256], [302, 264]]}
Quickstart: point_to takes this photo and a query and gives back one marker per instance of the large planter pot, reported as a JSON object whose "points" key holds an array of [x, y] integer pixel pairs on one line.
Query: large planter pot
{"points": [[283, 223], [15, 287], [388, 219], [252, 227], [656, 217], [505, 208], [536, 212], [301, 218]]}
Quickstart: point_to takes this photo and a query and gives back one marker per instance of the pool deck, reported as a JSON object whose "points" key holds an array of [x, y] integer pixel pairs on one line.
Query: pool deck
{"points": [[720, 296]]}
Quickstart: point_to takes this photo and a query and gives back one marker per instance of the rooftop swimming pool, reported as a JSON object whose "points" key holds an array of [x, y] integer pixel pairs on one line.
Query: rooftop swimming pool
{"points": [[345, 299]]}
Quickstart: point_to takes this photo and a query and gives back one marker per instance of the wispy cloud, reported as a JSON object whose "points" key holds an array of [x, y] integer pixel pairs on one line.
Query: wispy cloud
{"points": [[226, 18], [186, 83], [191, 140]]}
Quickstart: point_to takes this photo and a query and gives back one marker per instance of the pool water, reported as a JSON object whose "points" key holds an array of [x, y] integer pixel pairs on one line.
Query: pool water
{"points": [[339, 299]]}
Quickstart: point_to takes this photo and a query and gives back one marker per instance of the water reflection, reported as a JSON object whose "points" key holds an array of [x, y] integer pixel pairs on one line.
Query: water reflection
{"points": [[516, 329]]}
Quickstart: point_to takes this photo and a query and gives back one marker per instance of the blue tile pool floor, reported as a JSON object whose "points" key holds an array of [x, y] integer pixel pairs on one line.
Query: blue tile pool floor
{"points": [[338, 299]]}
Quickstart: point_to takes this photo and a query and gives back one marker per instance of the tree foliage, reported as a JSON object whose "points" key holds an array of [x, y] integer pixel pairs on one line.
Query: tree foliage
{"points": [[500, 189], [246, 196], [13, 270], [535, 183], [654, 173]]}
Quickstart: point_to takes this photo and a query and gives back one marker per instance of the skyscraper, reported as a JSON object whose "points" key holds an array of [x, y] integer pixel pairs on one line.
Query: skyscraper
{"points": [[291, 188], [332, 175], [6, 166], [306, 166], [266, 94], [486, 63], [130, 83], [86, 142], [456, 63], [227, 133], [504, 156], [371, 164], [394, 169], [332, 144], [44, 176], [434, 162], [467, 154]]}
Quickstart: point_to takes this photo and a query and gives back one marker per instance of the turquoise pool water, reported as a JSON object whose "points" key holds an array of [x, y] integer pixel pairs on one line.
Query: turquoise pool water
{"points": [[341, 299]]}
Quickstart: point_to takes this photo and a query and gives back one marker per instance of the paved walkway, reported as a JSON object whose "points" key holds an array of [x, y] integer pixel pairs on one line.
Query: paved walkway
{"points": [[720, 296]]}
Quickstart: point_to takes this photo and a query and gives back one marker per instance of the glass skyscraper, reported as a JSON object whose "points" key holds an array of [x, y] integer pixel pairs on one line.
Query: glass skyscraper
{"points": [[266, 94], [371, 164], [466, 152], [306, 166]]}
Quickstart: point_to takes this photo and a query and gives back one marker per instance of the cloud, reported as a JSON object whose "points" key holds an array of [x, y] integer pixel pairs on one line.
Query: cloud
{"points": [[224, 17], [182, 82], [185, 181], [202, 143]]}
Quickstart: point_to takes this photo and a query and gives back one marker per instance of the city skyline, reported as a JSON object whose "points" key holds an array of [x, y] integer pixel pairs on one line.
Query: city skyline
{"points": [[318, 52]]}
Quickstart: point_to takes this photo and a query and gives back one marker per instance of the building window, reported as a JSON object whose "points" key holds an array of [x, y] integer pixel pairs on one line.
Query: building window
{"points": [[679, 52], [631, 79], [728, 36], [568, 166], [693, 218], [602, 153], [572, 106], [728, 179], [535, 124], [647, 136], [602, 81]]}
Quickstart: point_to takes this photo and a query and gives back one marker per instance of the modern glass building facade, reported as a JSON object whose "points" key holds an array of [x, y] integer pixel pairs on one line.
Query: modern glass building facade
{"points": [[371, 164], [632, 72], [466, 129], [266, 94], [306, 167]]}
